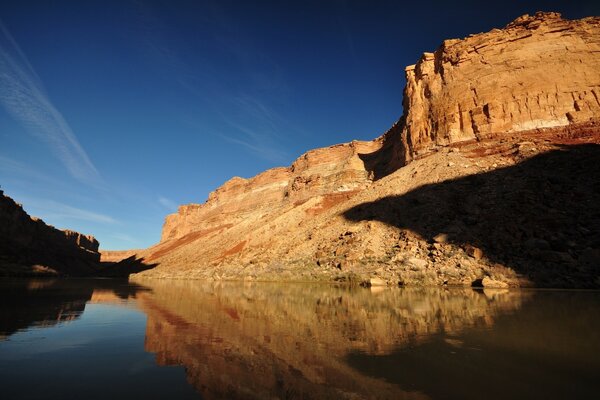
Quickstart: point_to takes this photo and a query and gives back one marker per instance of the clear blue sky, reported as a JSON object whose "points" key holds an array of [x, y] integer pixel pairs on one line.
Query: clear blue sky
{"points": [[113, 113]]}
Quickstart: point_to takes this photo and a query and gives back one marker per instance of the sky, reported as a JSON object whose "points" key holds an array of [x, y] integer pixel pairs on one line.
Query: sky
{"points": [[113, 113]]}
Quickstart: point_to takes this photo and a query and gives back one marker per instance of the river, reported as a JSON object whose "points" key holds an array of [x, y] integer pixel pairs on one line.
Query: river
{"points": [[111, 339]]}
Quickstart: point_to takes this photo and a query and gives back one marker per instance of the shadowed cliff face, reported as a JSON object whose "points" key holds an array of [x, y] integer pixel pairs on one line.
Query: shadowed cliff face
{"points": [[290, 341], [30, 247], [540, 217]]}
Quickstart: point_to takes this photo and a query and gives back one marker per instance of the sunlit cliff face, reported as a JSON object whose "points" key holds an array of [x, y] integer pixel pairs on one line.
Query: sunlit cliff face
{"points": [[256, 340], [473, 109], [537, 72]]}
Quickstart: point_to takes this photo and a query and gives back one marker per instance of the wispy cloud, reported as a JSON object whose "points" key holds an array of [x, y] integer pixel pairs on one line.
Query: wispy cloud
{"points": [[263, 151], [259, 113], [18, 169], [251, 119], [54, 210], [168, 204], [24, 97], [123, 237]]}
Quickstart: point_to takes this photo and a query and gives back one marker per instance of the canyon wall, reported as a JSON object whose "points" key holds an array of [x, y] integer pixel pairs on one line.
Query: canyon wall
{"points": [[336, 169], [540, 71], [29, 246], [420, 204]]}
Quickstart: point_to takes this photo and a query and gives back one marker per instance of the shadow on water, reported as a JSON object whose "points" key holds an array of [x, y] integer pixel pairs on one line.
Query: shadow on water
{"points": [[47, 302], [546, 350], [540, 217]]}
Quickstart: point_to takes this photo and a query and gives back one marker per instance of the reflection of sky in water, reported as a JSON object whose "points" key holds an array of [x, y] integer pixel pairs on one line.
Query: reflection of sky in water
{"points": [[99, 355], [95, 324]]}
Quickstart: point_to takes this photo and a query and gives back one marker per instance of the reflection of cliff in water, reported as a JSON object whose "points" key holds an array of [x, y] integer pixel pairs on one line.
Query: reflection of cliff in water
{"points": [[47, 302], [291, 341], [548, 350]]}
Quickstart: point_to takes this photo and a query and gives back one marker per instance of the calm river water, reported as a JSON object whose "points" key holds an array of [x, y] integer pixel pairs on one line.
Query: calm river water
{"points": [[109, 339]]}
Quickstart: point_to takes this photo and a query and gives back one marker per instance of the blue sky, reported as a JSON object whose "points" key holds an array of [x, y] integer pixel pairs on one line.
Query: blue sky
{"points": [[114, 113]]}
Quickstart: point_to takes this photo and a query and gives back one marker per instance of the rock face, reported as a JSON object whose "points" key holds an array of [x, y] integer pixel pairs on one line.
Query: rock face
{"points": [[540, 71], [476, 111], [336, 170], [29, 246]]}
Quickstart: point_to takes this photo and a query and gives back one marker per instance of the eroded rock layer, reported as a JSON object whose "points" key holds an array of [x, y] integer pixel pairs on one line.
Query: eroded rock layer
{"points": [[336, 169], [540, 71]]}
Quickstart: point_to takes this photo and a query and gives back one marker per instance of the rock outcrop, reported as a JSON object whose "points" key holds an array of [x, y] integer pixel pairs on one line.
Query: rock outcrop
{"points": [[539, 72], [111, 256], [30, 247], [489, 102], [336, 170]]}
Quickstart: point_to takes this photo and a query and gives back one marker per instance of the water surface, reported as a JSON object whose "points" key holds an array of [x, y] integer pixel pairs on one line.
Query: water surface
{"points": [[178, 339]]}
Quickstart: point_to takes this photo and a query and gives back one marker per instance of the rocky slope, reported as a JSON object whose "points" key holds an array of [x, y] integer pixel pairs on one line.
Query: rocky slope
{"points": [[482, 180], [30, 247]]}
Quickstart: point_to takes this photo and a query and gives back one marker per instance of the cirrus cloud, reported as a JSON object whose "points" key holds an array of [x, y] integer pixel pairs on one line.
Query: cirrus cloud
{"points": [[23, 96]]}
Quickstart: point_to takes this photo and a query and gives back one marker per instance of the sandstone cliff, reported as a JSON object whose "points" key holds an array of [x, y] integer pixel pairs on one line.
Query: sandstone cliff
{"points": [[497, 106], [30, 247], [334, 170], [538, 72]]}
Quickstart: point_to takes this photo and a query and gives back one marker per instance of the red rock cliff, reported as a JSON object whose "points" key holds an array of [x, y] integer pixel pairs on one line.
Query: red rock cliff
{"points": [[540, 71], [335, 169], [505, 108]]}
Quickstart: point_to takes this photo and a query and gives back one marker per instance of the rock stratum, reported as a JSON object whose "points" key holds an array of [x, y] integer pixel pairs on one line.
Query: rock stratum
{"points": [[30, 247], [490, 177]]}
